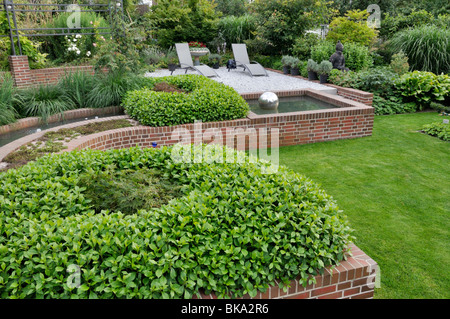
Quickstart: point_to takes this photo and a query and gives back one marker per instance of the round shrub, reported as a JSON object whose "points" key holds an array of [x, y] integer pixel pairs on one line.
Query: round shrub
{"points": [[204, 99], [233, 230]]}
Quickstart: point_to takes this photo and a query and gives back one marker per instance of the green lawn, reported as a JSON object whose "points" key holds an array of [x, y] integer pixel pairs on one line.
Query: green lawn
{"points": [[395, 189]]}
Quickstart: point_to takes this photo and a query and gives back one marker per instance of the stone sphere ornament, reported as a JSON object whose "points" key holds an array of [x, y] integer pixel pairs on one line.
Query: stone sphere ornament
{"points": [[268, 101]]}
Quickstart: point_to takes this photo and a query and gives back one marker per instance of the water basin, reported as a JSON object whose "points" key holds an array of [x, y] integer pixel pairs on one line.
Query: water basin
{"points": [[7, 138], [292, 104]]}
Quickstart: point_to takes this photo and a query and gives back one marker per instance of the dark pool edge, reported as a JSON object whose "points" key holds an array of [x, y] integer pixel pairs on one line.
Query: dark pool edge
{"points": [[16, 144], [31, 122]]}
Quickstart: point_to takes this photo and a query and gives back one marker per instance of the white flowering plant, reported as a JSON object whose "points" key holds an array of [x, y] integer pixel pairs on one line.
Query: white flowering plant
{"points": [[77, 48], [81, 46]]}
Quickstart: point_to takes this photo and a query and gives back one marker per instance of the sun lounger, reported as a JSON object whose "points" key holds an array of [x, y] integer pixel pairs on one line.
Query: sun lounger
{"points": [[185, 58], [243, 61]]}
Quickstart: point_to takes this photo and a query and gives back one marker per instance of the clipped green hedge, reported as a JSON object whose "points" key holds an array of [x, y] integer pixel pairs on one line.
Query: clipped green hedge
{"points": [[233, 230], [205, 100]]}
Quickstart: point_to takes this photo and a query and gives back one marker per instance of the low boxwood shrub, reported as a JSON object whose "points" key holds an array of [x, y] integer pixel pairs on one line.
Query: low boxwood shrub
{"points": [[233, 230], [205, 100]]}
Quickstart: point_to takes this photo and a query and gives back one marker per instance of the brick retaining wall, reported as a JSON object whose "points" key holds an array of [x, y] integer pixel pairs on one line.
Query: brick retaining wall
{"points": [[351, 120], [354, 278], [24, 77]]}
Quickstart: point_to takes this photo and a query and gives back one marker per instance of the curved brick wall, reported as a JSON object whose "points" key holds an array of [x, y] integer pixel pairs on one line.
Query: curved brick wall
{"points": [[354, 278], [68, 115], [351, 120]]}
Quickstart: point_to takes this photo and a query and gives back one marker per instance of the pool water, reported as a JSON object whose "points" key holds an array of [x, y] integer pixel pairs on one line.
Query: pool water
{"points": [[12, 136], [292, 104]]}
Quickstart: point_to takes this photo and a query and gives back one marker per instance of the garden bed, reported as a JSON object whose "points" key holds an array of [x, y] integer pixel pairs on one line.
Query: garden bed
{"points": [[231, 237], [223, 110]]}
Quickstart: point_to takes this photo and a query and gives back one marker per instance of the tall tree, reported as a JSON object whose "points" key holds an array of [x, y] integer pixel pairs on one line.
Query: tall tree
{"points": [[183, 20], [281, 22]]}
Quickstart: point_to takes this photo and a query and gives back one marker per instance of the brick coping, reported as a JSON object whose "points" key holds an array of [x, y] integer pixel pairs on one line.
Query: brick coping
{"points": [[356, 91], [353, 278], [344, 104]]}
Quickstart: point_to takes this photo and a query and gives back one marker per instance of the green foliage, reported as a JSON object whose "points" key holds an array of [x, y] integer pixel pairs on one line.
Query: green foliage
{"points": [[344, 6], [324, 67], [30, 48], [357, 57], [237, 29], [394, 23], [343, 78], [423, 87], [42, 101], [234, 231], [152, 55], [378, 80], [440, 107], [110, 88], [273, 62], [231, 7], [302, 45], [78, 85], [127, 191], [183, 21], [7, 112], [312, 65], [303, 68], [286, 60], [279, 23], [427, 48], [58, 46], [215, 58], [36, 59], [352, 28], [206, 100], [438, 129], [391, 105], [121, 54], [399, 63], [293, 62]]}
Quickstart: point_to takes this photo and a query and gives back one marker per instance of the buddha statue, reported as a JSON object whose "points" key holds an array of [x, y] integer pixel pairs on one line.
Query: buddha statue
{"points": [[337, 59]]}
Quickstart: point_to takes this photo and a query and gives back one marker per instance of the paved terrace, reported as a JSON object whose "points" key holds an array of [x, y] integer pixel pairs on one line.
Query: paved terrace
{"points": [[243, 82]]}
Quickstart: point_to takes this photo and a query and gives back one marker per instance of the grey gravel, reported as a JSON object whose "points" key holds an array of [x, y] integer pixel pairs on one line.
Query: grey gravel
{"points": [[242, 81]]}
